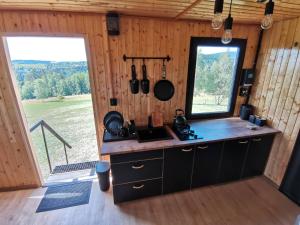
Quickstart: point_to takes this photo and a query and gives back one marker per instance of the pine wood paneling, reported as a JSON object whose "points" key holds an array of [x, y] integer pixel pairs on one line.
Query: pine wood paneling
{"points": [[276, 93], [109, 74], [248, 11]]}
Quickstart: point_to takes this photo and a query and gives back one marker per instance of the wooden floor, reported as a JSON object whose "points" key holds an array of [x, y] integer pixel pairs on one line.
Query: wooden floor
{"points": [[249, 202]]}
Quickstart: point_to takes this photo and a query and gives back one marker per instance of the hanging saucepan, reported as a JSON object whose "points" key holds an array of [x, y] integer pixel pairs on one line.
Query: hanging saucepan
{"points": [[145, 82], [134, 82], [164, 89]]}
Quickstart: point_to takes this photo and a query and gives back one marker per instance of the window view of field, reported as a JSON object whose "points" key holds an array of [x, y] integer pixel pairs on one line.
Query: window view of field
{"points": [[52, 76], [214, 76]]}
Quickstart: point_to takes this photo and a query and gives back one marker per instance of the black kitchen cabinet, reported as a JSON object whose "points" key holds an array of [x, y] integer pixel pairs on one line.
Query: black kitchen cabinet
{"points": [[178, 164], [137, 175], [257, 156], [206, 164], [233, 159], [161, 171]]}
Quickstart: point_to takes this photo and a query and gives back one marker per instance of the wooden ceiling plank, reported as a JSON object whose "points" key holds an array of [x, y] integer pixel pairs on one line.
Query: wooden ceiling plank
{"points": [[183, 9], [187, 8], [246, 8]]}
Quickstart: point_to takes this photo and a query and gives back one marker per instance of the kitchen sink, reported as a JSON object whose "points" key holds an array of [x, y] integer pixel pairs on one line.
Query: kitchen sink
{"points": [[153, 134]]}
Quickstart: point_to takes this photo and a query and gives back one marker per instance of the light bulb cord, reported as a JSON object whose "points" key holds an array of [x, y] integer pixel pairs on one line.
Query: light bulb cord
{"points": [[230, 7]]}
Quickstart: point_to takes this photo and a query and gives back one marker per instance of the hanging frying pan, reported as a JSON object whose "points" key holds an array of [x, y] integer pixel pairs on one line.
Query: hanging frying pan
{"points": [[164, 89]]}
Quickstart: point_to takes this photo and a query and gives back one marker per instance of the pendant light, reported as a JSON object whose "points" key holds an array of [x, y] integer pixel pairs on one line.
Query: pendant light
{"points": [[227, 35], [267, 21], [217, 20]]}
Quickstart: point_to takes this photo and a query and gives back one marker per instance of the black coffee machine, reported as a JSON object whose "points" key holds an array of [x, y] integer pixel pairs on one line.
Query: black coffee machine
{"points": [[245, 111]]}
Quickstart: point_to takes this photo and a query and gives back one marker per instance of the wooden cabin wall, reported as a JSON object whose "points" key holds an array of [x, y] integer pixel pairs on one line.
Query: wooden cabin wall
{"points": [[109, 74], [276, 93]]}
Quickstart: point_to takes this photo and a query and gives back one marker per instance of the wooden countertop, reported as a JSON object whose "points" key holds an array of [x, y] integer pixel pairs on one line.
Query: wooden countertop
{"points": [[211, 131]]}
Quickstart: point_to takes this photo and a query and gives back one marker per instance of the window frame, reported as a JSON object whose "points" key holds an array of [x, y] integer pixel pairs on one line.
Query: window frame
{"points": [[213, 42]]}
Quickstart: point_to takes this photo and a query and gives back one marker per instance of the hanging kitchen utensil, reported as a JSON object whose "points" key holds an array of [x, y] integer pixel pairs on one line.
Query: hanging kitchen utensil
{"points": [[164, 89], [145, 82], [134, 82]]}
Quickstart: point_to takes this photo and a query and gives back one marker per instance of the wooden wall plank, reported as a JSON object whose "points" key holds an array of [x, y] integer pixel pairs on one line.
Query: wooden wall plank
{"points": [[277, 91]]}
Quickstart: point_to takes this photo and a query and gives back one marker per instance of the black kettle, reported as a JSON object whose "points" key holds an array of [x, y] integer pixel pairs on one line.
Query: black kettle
{"points": [[179, 120]]}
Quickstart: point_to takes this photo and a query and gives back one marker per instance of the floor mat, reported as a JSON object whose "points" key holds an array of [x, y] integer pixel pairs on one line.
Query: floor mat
{"points": [[74, 167], [66, 195]]}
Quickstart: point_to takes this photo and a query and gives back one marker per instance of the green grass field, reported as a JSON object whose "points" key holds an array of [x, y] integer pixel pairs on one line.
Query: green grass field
{"points": [[73, 119], [206, 103]]}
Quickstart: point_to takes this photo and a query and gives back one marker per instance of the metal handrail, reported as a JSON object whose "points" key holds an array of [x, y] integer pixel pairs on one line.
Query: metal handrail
{"points": [[43, 125]]}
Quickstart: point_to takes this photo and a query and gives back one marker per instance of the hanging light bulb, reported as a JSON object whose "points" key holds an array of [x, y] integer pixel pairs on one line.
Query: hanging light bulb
{"points": [[217, 20], [267, 21], [227, 35]]}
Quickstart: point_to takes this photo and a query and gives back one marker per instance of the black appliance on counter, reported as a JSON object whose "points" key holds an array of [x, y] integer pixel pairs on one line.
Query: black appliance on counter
{"points": [[185, 134], [290, 185], [181, 128], [245, 111]]}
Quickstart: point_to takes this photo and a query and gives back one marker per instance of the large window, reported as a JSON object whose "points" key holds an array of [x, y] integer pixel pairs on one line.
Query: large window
{"points": [[213, 77]]}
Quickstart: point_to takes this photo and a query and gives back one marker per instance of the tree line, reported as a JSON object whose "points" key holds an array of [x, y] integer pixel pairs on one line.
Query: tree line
{"points": [[42, 79], [214, 75]]}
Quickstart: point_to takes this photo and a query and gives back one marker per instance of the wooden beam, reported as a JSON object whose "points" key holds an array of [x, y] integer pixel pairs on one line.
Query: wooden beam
{"points": [[187, 9]]}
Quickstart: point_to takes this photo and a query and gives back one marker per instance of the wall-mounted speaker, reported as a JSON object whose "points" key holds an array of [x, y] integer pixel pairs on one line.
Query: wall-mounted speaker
{"points": [[112, 23]]}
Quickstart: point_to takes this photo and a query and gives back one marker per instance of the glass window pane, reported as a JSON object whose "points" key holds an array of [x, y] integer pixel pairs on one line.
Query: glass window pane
{"points": [[214, 77]]}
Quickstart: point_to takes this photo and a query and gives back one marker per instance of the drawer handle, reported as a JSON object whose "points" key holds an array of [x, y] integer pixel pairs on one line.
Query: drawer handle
{"points": [[138, 187], [137, 167], [256, 139], [202, 147], [187, 150], [243, 142]]}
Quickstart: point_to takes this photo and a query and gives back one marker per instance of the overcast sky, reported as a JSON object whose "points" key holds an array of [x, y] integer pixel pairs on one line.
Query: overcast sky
{"points": [[46, 48]]}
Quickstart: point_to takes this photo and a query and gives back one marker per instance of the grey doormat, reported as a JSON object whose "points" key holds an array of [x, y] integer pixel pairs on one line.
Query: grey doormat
{"points": [[74, 167], [66, 195]]}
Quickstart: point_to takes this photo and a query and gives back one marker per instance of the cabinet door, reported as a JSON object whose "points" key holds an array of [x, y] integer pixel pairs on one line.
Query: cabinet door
{"points": [[178, 163], [233, 159], [206, 164], [258, 154]]}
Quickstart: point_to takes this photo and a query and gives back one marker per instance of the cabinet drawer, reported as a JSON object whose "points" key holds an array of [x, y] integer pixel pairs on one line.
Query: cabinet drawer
{"points": [[138, 170], [141, 189], [127, 157]]}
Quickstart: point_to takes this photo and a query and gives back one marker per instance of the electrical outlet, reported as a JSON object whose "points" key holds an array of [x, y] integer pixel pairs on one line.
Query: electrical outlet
{"points": [[113, 101]]}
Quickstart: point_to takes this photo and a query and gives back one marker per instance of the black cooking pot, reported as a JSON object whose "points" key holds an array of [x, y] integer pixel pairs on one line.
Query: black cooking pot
{"points": [[179, 119]]}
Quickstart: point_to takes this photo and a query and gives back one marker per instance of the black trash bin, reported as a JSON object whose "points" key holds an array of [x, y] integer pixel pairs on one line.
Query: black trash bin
{"points": [[102, 170]]}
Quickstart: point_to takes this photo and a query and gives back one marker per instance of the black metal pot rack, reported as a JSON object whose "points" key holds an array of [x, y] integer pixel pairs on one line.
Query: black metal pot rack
{"points": [[168, 58]]}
